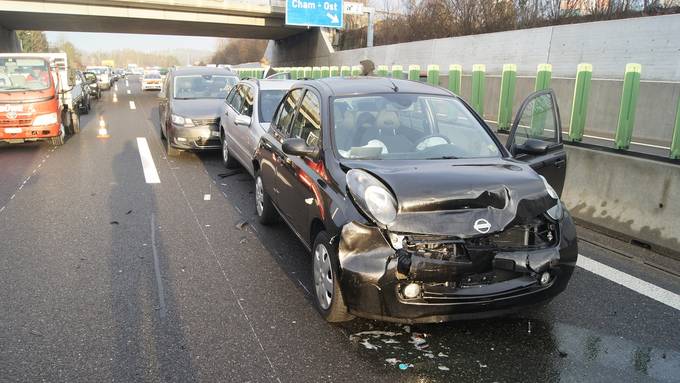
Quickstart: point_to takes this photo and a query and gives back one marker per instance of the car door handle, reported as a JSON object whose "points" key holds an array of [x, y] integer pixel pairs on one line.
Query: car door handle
{"points": [[560, 162]]}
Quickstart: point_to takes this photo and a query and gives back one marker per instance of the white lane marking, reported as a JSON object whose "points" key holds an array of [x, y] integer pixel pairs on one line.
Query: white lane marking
{"points": [[626, 280], [132, 105], [13, 195], [126, 83], [150, 173], [157, 270], [206, 197], [128, 91], [1, 209]]}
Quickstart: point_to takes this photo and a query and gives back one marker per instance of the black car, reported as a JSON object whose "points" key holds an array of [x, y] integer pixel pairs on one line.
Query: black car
{"points": [[412, 208], [93, 85], [190, 105]]}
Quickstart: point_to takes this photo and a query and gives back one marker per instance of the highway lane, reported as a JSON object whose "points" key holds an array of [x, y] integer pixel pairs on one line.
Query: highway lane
{"points": [[110, 278]]}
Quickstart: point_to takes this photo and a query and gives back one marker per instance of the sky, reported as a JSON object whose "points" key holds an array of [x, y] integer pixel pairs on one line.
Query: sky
{"points": [[91, 42]]}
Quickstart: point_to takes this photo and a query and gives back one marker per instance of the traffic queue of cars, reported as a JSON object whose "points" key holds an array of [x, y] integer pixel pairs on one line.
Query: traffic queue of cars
{"points": [[411, 207]]}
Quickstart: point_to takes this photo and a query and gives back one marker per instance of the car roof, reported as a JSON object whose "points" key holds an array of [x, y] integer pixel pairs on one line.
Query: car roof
{"points": [[271, 84], [352, 86], [201, 70]]}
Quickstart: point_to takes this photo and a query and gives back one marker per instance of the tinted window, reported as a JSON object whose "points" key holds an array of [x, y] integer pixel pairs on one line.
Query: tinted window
{"points": [[248, 100], [307, 124], [230, 96], [269, 100], [18, 74], [286, 110], [237, 99]]}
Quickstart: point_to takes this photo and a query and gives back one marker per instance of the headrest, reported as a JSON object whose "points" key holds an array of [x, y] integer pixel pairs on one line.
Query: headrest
{"points": [[388, 121]]}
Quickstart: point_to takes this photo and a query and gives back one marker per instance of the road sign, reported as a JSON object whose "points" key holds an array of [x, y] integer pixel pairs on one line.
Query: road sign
{"points": [[350, 8], [316, 13]]}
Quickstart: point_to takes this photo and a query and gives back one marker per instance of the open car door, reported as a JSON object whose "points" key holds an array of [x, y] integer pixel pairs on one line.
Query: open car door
{"points": [[536, 138]]}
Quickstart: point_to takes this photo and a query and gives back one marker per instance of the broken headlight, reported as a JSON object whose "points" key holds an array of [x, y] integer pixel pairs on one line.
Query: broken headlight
{"points": [[372, 196], [556, 212]]}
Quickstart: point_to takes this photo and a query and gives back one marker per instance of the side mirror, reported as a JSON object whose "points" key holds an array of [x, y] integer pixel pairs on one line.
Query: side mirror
{"points": [[242, 120], [532, 146], [298, 147]]}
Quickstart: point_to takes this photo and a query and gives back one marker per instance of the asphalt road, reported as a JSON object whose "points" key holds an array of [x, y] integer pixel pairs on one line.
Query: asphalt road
{"points": [[107, 278]]}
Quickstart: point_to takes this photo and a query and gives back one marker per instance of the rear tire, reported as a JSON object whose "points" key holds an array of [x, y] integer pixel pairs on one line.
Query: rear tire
{"points": [[325, 266], [266, 212], [228, 160]]}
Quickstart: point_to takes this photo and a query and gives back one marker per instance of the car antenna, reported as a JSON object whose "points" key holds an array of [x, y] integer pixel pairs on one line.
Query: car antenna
{"points": [[395, 88]]}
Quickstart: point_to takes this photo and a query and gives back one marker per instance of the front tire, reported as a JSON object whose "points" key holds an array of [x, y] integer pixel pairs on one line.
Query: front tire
{"points": [[58, 140], [228, 160], [266, 213], [325, 266]]}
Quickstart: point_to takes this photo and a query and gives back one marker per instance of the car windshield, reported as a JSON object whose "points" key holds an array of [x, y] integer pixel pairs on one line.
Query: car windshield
{"points": [[408, 126], [18, 74], [97, 70], [269, 100], [152, 76], [203, 86]]}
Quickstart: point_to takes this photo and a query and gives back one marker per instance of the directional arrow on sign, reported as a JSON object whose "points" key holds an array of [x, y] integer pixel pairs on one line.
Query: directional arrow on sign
{"points": [[334, 18]]}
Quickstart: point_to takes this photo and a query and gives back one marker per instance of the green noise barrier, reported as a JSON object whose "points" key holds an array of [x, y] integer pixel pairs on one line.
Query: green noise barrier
{"points": [[629, 95], [675, 144], [455, 78], [398, 72], [478, 84], [433, 75], [507, 96], [579, 105], [414, 72]]}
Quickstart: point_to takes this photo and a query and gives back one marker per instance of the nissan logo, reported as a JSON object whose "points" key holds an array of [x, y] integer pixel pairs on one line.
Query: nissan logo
{"points": [[481, 225], [12, 115]]}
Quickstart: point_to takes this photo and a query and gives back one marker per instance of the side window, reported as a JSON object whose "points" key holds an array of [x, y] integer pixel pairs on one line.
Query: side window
{"points": [[230, 96], [248, 99], [537, 121], [307, 124], [237, 100], [286, 110]]}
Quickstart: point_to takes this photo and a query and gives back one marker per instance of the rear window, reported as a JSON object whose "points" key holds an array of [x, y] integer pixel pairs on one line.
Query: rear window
{"points": [[202, 86], [17, 74], [152, 76]]}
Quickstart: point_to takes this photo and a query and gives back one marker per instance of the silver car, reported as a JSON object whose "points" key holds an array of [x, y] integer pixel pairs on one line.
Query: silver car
{"points": [[248, 110]]}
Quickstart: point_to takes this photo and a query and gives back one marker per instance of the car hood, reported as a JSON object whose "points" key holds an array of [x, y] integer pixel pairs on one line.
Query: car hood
{"points": [[447, 197], [198, 108]]}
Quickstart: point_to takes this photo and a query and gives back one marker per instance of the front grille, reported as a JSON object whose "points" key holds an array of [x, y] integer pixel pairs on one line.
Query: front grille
{"points": [[16, 123], [538, 233], [435, 247], [205, 121]]}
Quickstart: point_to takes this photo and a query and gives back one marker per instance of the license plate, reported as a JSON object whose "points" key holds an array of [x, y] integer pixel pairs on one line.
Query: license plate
{"points": [[12, 130]]}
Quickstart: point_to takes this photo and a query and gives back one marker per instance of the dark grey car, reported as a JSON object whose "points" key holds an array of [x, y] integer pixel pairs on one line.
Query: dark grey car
{"points": [[190, 105]]}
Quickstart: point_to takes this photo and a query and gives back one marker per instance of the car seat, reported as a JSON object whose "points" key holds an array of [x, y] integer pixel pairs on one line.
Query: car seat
{"points": [[389, 132]]}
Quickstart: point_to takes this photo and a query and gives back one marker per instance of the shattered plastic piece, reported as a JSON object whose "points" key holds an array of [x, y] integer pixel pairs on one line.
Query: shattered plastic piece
{"points": [[368, 345], [128, 212], [481, 365], [229, 174], [443, 368], [377, 332], [392, 361], [390, 341], [241, 225], [405, 366], [36, 333], [442, 355], [407, 328], [114, 223]]}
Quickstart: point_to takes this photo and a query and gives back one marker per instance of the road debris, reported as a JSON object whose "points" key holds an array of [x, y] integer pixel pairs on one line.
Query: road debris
{"points": [[242, 225], [230, 173], [443, 368], [114, 223]]}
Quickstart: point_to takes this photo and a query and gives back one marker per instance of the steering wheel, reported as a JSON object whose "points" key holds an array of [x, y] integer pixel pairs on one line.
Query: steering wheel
{"points": [[432, 140]]}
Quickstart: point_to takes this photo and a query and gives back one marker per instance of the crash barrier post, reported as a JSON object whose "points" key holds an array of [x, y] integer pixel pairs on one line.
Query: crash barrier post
{"points": [[295, 73], [433, 74], [455, 75], [507, 95], [478, 72], [629, 95], [325, 71], [382, 71], [539, 117], [345, 71], [260, 73], [579, 106], [307, 72], [675, 144], [397, 72], [414, 72], [335, 71], [356, 70], [316, 72]]}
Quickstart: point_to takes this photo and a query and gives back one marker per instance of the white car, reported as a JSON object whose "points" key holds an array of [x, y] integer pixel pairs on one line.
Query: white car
{"points": [[152, 80]]}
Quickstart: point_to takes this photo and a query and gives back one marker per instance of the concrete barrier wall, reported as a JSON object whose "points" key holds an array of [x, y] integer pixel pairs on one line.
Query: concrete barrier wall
{"points": [[608, 45], [9, 42], [635, 197]]}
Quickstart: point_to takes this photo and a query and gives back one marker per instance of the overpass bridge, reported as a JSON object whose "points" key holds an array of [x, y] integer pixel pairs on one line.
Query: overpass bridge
{"points": [[257, 19]]}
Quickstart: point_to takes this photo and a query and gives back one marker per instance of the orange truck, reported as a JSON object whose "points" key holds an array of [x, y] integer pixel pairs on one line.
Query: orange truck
{"points": [[34, 104]]}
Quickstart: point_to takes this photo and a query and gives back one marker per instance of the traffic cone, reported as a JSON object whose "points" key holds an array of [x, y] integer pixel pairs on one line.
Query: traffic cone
{"points": [[102, 132], [115, 98]]}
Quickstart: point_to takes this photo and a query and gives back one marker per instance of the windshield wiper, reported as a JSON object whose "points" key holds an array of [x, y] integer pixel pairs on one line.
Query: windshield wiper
{"points": [[443, 158]]}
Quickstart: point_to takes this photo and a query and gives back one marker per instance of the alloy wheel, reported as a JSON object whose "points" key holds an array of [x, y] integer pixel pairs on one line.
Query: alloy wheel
{"points": [[323, 276], [259, 196]]}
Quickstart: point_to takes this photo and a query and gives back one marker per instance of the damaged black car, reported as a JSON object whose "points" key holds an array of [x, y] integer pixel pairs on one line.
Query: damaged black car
{"points": [[412, 208]]}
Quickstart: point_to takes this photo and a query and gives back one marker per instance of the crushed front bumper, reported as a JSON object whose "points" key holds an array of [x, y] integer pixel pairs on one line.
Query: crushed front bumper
{"points": [[198, 138], [373, 281]]}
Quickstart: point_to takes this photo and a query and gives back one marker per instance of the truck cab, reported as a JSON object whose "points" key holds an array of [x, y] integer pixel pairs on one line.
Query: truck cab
{"points": [[30, 104]]}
